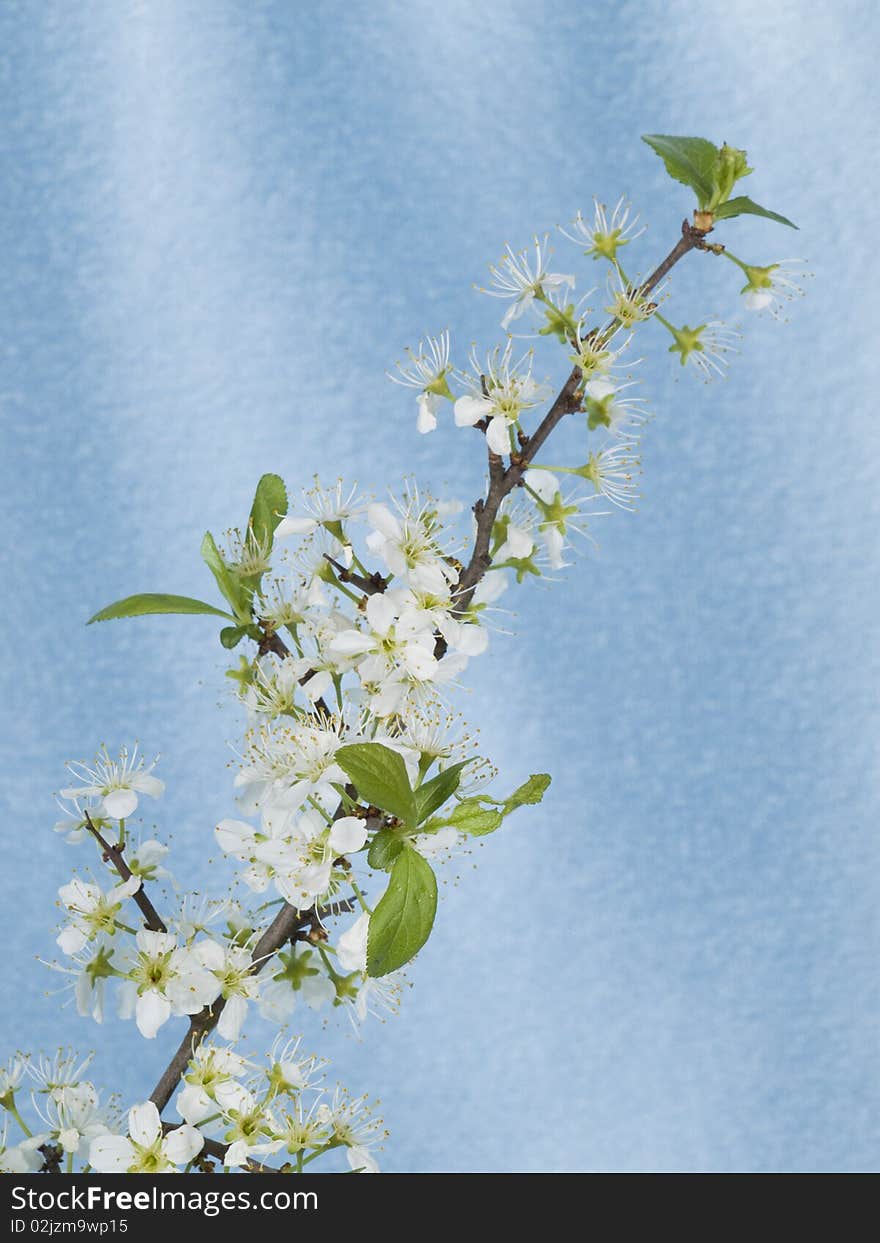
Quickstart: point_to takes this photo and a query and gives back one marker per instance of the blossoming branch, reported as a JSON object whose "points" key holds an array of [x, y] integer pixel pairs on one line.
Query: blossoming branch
{"points": [[356, 781]]}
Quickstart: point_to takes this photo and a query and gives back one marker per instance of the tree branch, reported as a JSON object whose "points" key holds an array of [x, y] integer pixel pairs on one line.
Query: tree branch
{"points": [[372, 586], [114, 855], [502, 482], [289, 921], [283, 927]]}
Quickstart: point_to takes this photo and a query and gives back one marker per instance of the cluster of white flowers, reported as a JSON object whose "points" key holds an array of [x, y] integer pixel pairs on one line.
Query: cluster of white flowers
{"points": [[366, 614]]}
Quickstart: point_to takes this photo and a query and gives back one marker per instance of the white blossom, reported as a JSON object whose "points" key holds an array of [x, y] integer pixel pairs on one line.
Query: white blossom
{"points": [[522, 278], [117, 783], [146, 1149]]}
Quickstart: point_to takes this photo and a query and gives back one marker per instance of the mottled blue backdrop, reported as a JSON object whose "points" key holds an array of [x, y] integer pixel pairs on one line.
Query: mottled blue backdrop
{"points": [[221, 221]]}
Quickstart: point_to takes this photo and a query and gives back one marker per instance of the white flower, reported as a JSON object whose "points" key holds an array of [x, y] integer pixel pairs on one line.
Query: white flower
{"points": [[303, 862], [326, 507], [299, 1129], [250, 1133], [75, 825], [628, 304], [23, 1158], [76, 1118], [558, 516], [232, 967], [427, 372], [611, 473], [89, 969], [595, 358], [622, 417], [164, 979], [257, 848], [288, 1073], [604, 236], [146, 860], [522, 279], [58, 1076], [354, 1126], [351, 948], [211, 1079], [394, 639], [11, 1076], [91, 911], [518, 545], [297, 978], [286, 766], [275, 687], [768, 289], [408, 542], [146, 1150], [499, 395], [116, 782]]}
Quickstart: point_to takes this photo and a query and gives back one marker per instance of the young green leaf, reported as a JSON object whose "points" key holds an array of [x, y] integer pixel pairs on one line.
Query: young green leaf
{"points": [[471, 817], [531, 791], [231, 636], [743, 206], [154, 602], [230, 588], [269, 507], [384, 849], [434, 793], [402, 922], [692, 161], [379, 774], [730, 167]]}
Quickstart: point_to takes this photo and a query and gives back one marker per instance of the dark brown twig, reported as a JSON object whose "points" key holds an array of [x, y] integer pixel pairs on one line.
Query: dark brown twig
{"points": [[114, 855], [283, 927], [372, 586]]}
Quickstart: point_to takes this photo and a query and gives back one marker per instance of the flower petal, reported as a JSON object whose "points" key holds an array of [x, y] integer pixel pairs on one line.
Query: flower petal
{"points": [[183, 1143], [119, 804], [498, 435], [348, 833], [144, 1124], [111, 1154], [469, 410]]}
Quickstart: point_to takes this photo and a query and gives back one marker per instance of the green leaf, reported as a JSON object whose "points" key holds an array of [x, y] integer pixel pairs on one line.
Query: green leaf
{"points": [[744, 206], [692, 161], [402, 922], [434, 793], [471, 817], [531, 791], [230, 588], [269, 507], [384, 849], [379, 774], [231, 636], [154, 602]]}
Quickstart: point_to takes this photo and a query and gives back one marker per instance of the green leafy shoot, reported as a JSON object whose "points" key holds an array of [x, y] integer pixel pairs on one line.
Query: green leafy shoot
{"points": [[155, 602]]}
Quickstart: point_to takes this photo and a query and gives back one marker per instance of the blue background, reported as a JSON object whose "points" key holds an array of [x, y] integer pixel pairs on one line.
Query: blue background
{"points": [[220, 223]]}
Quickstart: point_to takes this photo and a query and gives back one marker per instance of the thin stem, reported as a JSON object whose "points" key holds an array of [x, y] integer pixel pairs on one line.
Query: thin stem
{"points": [[114, 855], [502, 482], [359, 895], [13, 1110]]}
